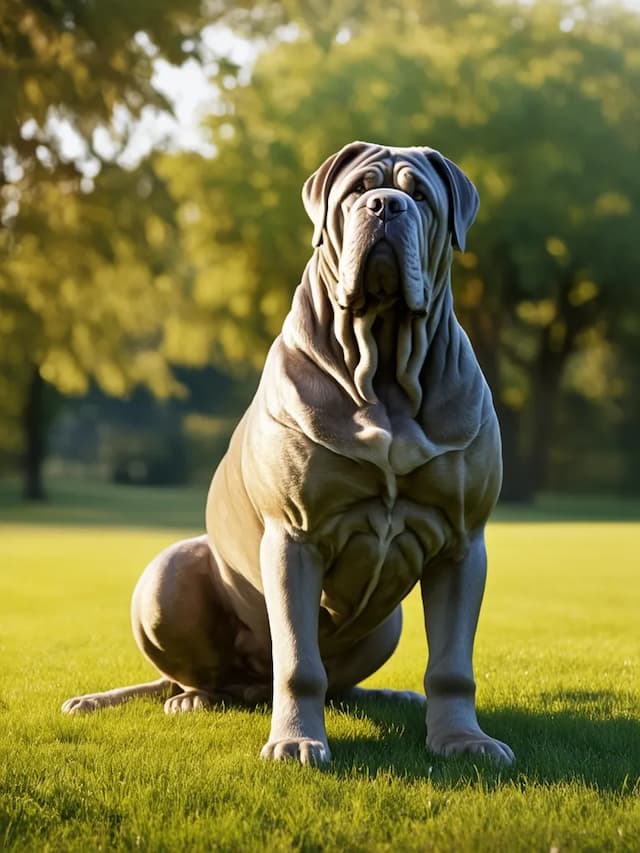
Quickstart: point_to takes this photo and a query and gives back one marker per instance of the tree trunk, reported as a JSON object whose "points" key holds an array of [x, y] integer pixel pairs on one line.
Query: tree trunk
{"points": [[546, 378], [484, 330], [34, 426], [545, 398], [517, 484]]}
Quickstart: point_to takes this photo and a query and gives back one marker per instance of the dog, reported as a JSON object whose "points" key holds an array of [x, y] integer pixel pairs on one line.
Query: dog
{"points": [[368, 461]]}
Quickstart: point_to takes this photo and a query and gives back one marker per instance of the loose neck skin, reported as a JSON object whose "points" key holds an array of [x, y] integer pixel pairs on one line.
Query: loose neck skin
{"points": [[377, 357]]}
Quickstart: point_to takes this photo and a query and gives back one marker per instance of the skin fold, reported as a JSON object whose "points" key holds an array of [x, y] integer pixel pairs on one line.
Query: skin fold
{"points": [[368, 462]]}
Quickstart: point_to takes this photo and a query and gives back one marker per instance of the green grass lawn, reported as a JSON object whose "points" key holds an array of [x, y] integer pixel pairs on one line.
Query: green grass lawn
{"points": [[557, 665]]}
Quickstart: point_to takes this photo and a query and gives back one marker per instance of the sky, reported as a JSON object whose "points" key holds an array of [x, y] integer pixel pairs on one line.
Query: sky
{"points": [[188, 89]]}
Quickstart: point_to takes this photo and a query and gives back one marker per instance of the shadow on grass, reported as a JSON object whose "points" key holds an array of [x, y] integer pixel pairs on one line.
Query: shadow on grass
{"points": [[579, 740], [582, 742]]}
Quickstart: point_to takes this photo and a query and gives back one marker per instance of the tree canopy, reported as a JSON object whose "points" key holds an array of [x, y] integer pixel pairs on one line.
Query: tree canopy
{"points": [[538, 103], [84, 241]]}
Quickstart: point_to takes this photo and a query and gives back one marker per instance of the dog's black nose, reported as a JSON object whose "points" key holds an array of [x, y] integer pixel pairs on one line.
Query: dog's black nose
{"points": [[386, 205]]}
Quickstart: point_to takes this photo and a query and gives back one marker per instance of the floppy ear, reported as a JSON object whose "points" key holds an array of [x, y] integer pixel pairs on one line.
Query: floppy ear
{"points": [[315, 192], [463, 197]]}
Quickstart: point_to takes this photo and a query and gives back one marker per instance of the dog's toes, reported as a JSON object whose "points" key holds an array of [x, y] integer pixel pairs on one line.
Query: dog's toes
{"points": [[304, 750], [82, 705], [412, 696], [355, 694], [472, 743], [190, 700], [507, 755], [313, 753]]}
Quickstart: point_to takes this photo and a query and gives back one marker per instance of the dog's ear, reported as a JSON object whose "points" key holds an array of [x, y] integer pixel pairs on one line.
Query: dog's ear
{"points": [[315, 192], [463, 196]]}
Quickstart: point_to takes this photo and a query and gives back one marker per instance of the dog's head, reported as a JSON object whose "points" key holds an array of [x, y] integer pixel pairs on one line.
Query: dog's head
{"points": [[385, 219]]}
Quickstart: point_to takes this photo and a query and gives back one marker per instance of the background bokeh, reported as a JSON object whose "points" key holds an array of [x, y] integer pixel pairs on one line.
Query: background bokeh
{"points": [[144, 269]]}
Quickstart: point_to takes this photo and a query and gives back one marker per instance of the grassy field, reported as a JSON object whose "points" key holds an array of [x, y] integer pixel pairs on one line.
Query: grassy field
{"points": [[557, 665]]}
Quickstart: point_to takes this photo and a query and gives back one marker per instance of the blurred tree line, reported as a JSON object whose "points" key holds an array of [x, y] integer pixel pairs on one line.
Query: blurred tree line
{"points": [[116, 277]]}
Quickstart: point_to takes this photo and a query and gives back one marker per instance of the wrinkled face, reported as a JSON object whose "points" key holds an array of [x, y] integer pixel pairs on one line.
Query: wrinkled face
{"points": [[385, 221], [385, 212]]}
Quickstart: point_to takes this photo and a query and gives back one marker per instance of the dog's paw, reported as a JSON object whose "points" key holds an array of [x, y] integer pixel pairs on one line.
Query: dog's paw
{"points": [[471, 743], [190, 700], [411, 697], [85, 704], [356, 694], [305, 750]]}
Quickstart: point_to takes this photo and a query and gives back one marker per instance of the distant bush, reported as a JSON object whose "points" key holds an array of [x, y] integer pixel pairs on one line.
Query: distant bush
{"points": [[206, 438], [149, 459]]}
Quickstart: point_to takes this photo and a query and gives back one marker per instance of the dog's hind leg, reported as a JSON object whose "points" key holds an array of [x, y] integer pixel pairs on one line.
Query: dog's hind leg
{"points": [[163, 687], [365, 658], [181, 627]]}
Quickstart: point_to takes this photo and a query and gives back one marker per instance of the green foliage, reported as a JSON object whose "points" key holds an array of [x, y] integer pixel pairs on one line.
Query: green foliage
{"points": [[540, 106], [132, 778], [81, 61], [84, 285], [88, 276]]}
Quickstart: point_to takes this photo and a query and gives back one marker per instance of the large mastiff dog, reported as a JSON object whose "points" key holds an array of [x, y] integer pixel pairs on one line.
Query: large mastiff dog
{"points": [[368, 461]]}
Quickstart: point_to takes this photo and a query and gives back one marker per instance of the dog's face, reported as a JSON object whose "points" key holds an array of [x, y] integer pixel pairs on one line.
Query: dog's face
{"points": [[384, 253], [385, 219]]}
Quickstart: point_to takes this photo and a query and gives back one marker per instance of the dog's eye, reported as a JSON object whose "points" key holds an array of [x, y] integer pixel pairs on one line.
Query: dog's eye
{"points": [[359, 188], [418, 195]]}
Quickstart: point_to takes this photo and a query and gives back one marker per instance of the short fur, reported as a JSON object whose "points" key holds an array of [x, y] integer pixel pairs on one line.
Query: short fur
{"points": [[368, 461]]}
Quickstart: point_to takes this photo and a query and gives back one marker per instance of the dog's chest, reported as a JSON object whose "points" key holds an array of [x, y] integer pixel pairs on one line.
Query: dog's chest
{"points": [[376, 550]]}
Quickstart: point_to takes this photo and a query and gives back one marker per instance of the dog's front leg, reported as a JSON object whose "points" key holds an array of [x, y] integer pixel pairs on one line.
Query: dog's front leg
{"points": [[292, 580], [451, 597]]}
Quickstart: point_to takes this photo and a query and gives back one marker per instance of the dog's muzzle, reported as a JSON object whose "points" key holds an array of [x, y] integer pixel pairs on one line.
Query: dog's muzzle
{"points": [[380, 262]]}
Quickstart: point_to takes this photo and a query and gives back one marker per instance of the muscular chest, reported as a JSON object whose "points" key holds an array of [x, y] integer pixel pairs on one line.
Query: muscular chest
{"points": [[374, 554], [377, 532], [338, 499]]}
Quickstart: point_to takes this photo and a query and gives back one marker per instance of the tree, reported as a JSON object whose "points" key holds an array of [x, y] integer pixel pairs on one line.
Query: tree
{"points": [[84, 242], [87, 288], [539, 104]]}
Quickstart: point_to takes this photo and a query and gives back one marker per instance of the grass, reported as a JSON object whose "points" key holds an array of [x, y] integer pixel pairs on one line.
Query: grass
{"points": [[557, 665]]}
